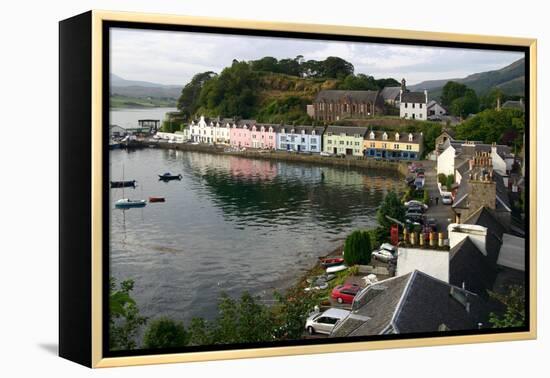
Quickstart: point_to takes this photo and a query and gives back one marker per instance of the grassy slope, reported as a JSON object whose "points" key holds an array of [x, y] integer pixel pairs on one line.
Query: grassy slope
{"points": [[117, 101]]}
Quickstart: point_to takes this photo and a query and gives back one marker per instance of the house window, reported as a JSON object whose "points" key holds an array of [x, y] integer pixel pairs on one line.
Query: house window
{"points": [[409, 147], [395, 146], [303, 140], [341, 142], [413, 105], [384, 145], [406, 105], [329, 134], [313, 141], [313, 148], [420, 115], [420, 106], [329, 141], [372, 145], [357, 143]]}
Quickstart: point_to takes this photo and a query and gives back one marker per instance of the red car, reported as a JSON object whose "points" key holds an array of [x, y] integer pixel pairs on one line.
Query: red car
{"points": [[345, 293]]}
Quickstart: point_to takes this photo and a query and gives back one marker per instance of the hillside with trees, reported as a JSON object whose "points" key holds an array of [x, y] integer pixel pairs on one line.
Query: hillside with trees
{"points": [[270, 90]]}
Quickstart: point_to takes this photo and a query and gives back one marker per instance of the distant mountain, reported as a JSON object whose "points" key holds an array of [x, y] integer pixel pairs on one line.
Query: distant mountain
{"points": [[510, 79], [141, 89]]}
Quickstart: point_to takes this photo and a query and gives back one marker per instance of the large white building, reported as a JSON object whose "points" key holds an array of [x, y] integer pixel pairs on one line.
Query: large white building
{"points": [[413, 105], [210, 131]]}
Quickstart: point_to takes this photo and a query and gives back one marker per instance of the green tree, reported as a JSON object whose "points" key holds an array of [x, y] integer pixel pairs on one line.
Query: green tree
{"points": [[335, 67], [188, 100], [165, 333], [452, 91], [466, 104], [124, 318], [514, 302], [291, 312], [358, 82], [357, 248], [390, 207]]}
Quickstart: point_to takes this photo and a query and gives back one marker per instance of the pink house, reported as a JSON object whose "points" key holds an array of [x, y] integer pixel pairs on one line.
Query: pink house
{"points": [[239, 135], [263, 136]]}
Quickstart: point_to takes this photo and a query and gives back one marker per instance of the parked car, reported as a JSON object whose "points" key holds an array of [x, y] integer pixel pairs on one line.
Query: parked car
{"points": [[388, 247], [419, 183], [324, 322], [324, 153], [382, 255], [446, 198], [414, 218], [345, 293], [416, 202], [415, 208]]}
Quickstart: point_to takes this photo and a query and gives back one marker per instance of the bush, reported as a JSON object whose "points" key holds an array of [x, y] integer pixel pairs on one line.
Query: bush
{"points": [[357, 248], [426, 197], [442, 179], [450, 181], [353, 270], [165, 333]]}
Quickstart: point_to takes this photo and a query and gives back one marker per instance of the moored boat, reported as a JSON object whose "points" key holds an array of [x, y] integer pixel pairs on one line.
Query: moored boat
{"points": [[123, 184], [126, 203], [336, 268], [157, 199], [168, 176], [332, 261]]}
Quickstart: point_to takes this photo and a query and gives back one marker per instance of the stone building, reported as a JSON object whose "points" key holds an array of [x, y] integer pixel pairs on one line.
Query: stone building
{"points": [[335, 105]]}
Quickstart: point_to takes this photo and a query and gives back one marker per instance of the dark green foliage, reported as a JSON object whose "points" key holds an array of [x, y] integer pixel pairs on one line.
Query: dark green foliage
{"points": [[165, 333], [358, 248], [452, 91], [170, 126], [362, 82], [429, 130], [442, 178], [445, 180], [505, 126], [287, 110], [291, 311], [514, 315], [460, 100], [188, 100], [392, 207], [426, 196], [124, 318]]}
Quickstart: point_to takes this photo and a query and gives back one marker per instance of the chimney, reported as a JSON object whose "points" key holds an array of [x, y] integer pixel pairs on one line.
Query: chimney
{"points": [[440, 241], [421, 239], [426, 95], [498, 103], [432, 239], [413, 238]]}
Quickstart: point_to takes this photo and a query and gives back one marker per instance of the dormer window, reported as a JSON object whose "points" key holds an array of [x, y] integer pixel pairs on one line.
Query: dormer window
{"points": [[303, 132], [385, 136], [271, 129], [396, 136], [410, 137], [371, 135], [312, 132], [282, 131]]}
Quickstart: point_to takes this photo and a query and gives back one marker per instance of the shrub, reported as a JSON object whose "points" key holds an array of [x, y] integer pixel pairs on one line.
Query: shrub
{"points": [[426, 197], [165, 333], [442, 178], [357, 248]]}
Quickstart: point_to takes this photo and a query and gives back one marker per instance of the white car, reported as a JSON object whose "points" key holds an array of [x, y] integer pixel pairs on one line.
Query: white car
{"points": [[383, 255], [324, 322], [324, 153], [446, 199], [416, 203]]}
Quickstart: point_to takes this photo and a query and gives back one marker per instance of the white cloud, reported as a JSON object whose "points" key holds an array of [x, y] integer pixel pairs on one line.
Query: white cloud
{"points": [[174, 57]]}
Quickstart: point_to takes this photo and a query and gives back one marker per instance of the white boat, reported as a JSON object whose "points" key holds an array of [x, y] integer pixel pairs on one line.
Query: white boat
{"points": [[336, 268], [126, 203]]}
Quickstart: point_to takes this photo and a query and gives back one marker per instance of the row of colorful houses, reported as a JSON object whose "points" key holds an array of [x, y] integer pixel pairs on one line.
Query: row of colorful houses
{"points": [[334, 140]]}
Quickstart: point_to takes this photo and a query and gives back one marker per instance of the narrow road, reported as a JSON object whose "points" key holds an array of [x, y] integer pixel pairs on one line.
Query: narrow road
{"points": [[443, 214]]}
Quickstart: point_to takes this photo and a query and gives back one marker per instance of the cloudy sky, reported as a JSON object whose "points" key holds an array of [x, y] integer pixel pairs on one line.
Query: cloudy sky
{"points": [[174, 57]]}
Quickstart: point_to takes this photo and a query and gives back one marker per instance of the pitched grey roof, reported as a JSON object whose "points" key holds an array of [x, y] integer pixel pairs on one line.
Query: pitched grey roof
{"points": [[415, 302], [470, 266], [348, 130], [466, 150], [349, 96], [428, 304], [299, 128], [514, 105], [403, 136], [495, 230], [390, 93], [414, 97]]}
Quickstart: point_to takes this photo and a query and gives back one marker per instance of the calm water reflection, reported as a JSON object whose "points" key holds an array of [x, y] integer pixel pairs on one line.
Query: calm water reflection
{"points": [[231, 224]]}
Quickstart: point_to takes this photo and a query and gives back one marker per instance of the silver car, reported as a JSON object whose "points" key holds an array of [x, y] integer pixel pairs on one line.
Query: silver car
{"points": [[324, 322]]}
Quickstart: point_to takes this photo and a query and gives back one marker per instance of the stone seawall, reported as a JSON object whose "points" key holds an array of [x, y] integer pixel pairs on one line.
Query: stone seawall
{"points": [[399, 167]]}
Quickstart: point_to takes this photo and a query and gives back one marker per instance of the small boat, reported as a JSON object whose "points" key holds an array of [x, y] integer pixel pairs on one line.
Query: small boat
{"points": [[157, 199], [168, 176], [123, 184], [331, 261], [336, 268], [126, 203]]}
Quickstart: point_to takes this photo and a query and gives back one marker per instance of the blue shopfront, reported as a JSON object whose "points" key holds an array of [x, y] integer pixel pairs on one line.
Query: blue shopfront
{"points": [[390, 155]]}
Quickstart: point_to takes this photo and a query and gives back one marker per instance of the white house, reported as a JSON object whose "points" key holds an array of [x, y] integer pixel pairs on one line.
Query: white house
{"points": [[458, 152], [430, 261], [435, 109], [210, 131], [413, 105]]}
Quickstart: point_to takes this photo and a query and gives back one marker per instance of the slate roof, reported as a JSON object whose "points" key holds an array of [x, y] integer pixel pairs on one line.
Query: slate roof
{"points": [[415, 302], [348, 130], [413, 97], [495, 230], [403, 137], [428, 304], [468, 150], [330, 95], [299, 128], [470, 266], [510, 104], [390, 93], [502, 198]]}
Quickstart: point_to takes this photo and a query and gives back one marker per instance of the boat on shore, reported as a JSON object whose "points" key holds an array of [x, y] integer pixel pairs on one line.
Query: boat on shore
{"points": [[336, 268], [332, 261], [123, 184], [157, 199], [168, 177], [126, 203]]}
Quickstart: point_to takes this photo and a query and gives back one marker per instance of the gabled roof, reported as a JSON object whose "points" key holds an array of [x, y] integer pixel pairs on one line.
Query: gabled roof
{"points": [[469, 266], [466, 150], [403, 136], [415, 302], [333, 95], [495, 230], [299, 128], [414, 97], [348, 130], [510, 104], [390, 93]]}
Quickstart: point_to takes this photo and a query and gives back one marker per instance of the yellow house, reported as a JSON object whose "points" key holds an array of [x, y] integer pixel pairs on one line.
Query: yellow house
{"points": [[344, 140], [393, 145]]}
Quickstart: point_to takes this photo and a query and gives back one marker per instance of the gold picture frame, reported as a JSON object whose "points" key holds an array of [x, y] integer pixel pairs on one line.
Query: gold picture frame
{"points": [[94, 21]]}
